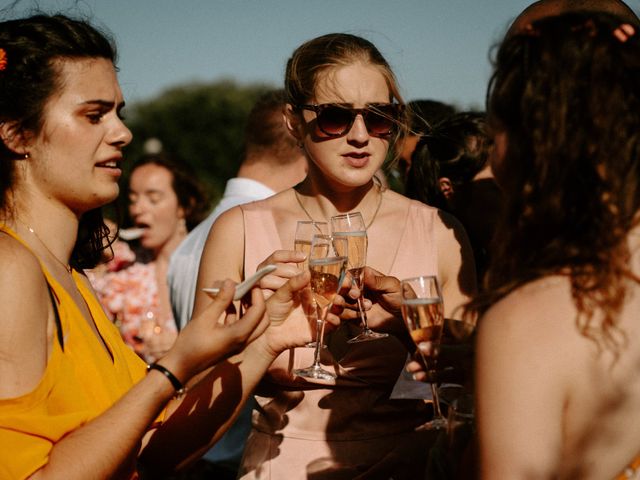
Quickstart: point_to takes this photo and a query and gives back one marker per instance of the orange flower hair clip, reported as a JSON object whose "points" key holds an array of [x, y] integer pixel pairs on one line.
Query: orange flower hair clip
{"points": [[3, 59], [624, 32]]}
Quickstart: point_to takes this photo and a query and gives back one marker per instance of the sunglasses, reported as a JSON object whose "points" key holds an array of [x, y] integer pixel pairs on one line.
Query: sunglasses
{"points": [[335, 119]]}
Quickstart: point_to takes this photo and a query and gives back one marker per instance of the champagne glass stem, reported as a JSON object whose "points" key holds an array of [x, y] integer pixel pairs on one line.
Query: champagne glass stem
{"points": [[310, 317], [437, 413], [366, 334], [319, 337], [361, 311]]}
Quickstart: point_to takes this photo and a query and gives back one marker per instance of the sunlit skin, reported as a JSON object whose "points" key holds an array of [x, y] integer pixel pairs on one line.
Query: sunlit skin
{"points": [[79, 150]]}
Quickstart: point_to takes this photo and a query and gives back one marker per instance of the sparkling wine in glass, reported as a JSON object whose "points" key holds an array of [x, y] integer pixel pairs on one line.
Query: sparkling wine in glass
{"points": [[327, 269], [305, 230], [352, 227], [423, 313]]}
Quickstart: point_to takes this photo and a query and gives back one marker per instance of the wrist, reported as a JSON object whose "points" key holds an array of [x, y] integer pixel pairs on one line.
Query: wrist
{"points": [[261, 348], [175, 363], [177, 384]]}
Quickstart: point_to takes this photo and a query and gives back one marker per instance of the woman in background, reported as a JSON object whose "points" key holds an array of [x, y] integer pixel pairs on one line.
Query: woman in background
{"points": [[165, 202]]}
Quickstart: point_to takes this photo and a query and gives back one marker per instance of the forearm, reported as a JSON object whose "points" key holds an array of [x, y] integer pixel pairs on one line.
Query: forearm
{"points": [[198, 419], [195, 421], [106, 446]]}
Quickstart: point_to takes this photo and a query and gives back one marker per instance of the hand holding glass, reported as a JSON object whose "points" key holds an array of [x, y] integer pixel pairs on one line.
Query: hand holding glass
{"points": [[327, 269], [423, 313]]}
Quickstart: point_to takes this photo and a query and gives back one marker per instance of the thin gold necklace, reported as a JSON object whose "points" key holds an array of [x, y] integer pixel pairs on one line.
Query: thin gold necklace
{"points": [[66, 266], [375, 214]]}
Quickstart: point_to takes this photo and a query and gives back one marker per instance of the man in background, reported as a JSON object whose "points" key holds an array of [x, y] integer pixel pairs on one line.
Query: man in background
{"points": [[272, 162]]}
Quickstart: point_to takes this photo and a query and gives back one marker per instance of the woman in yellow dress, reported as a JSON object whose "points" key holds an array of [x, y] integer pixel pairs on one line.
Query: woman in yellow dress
{"points": [[74, 400]]}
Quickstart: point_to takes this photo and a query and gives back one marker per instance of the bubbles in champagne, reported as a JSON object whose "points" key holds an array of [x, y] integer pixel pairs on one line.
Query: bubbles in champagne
{"points": [[303, 246], [356, 252], [326, 276], [424, 319]]}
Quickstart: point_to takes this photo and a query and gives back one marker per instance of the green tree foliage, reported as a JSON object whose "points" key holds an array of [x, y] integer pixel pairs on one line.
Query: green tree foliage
{"points": [[201, 123]]}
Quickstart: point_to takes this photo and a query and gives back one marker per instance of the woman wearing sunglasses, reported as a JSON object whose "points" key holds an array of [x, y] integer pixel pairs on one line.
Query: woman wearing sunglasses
{"points": [[345, 111]]}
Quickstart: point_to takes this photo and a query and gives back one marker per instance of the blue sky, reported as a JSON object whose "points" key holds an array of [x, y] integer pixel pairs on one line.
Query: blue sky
{"points": [[439, 49]]}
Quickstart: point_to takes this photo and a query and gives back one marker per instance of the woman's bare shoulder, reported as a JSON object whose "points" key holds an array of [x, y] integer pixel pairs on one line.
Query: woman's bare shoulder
{"points": [[540, 309], [24, 299], [400, 201], [282, 204], [21, 270], [445, 223], [228, 219], [234, 216]]}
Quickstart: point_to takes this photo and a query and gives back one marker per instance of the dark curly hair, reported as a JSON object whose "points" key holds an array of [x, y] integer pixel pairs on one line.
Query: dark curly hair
{"points": [[31, 76], [456, 148], [192, 196], [566, 94]]}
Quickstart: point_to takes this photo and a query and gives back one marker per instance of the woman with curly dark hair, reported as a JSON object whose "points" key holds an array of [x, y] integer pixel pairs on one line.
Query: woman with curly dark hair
{"points": [[558, 346]]}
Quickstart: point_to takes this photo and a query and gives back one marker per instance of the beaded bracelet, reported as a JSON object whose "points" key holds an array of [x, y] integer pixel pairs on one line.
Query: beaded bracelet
{"points": [[177, 384]]}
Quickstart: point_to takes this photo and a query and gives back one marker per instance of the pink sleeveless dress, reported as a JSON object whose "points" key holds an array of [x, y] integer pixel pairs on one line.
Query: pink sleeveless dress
{"points": [[350, 429]]}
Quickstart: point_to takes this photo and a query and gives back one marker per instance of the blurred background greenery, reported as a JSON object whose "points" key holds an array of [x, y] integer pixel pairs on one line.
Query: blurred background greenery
{"points": [[201, 123]]}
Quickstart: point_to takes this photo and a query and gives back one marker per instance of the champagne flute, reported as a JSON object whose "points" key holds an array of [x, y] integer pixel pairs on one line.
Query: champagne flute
{"points": [[327, 273], [305, 230], [423, 313], [351, 226]]}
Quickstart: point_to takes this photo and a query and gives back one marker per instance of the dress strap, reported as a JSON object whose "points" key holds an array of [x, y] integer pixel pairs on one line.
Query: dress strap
{"points": [[54, 303]]}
